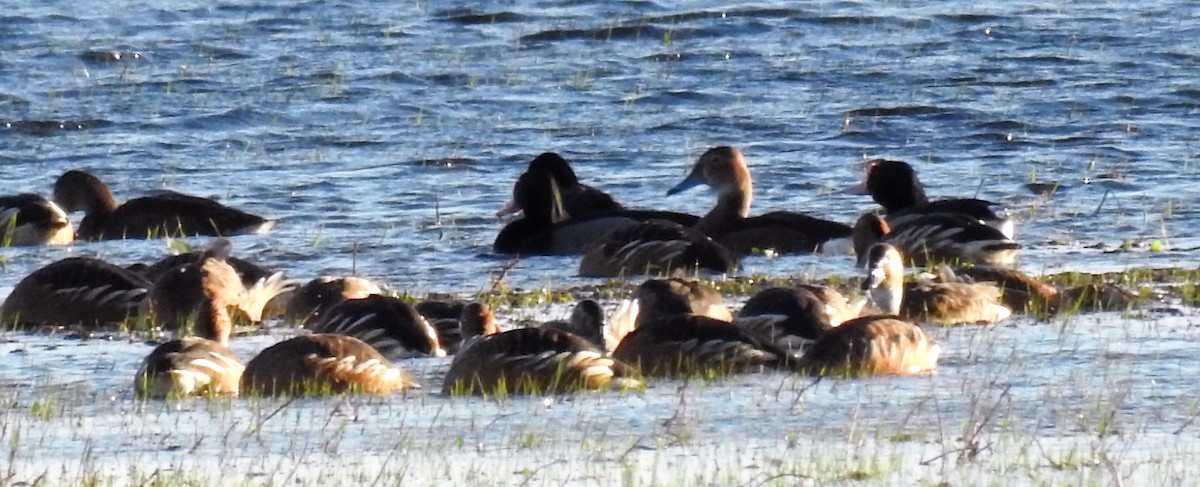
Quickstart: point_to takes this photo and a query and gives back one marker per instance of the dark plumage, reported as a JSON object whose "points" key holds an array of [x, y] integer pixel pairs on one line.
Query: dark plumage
{"points": [[161, 215], [75, 291], [894, 185], [655, 247], [29, 219], [937, 237], [729, 222], [550, 174], [388, 324]]}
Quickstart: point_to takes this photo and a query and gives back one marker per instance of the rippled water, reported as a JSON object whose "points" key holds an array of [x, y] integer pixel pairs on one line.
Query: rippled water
{"points": [[386, 134]]}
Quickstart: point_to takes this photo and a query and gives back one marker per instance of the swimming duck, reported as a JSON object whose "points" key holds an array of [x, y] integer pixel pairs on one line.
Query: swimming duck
{"points": [[531, 361], [895, 186], [76, 291], [160, 215], [29, 219], [547, 228], [941, 303], [201, 364], [655, 247], [322, 364], [669, 340], [871, 345], [577, 199], [936, 237], [729, 222], [388, 324]]}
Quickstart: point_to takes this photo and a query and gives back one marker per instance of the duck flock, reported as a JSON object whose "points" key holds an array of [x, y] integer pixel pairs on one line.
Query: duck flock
{"points": [[671, 326]]}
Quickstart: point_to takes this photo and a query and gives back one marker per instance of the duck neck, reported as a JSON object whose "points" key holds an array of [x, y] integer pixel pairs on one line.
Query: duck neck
{"points": [[214, 323], [889, 294], [733, 204]]}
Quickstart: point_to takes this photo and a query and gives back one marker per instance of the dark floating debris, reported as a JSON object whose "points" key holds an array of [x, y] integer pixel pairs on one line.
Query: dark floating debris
{"points": [[50, 127], [105, 56], [1046, 188]]}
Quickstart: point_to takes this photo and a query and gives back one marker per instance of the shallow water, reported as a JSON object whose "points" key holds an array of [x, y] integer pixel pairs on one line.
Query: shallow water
{"points": [[384, 135]]}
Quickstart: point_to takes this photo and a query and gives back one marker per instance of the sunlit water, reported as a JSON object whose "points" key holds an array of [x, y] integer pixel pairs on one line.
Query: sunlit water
{"points": [[384, 135]]}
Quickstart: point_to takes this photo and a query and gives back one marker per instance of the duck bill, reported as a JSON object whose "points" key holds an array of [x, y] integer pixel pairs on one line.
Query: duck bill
{"points": [[858, 189], [510, 209], [873, 280], [694, 179]]}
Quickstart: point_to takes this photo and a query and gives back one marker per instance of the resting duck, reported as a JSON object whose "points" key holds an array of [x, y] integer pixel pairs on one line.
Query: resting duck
{"points": [[941, 303], [871, 345], [586, 322], [729, 222], [895, 186], [249, 272], [795, 316], [531, 361], [175, 299], [669, 340], [936, 237], [312, 299], [577, 199], [322, 364], [1027, 294], [655, 247], [161, 215], [29, 219], [201, 364], [387, 324], [548, 229], [76, 291], [450, 329]]}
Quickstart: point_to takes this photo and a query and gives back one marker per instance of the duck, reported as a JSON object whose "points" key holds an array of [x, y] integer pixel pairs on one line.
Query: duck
{"points": [[795, 316], [1024, 293], [161, 215], [940, 303], [533, 360], [248, 271], [76, 291], [547, 227], [894, 185], [322, 364], [28, 219], [586, 322], [669, 340], [928, 239], [388, 324], [577, 199], [871, 345], [655, 247], [729, 222], [202, 364], [449, 326], [174, 301], [313, 298]]}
